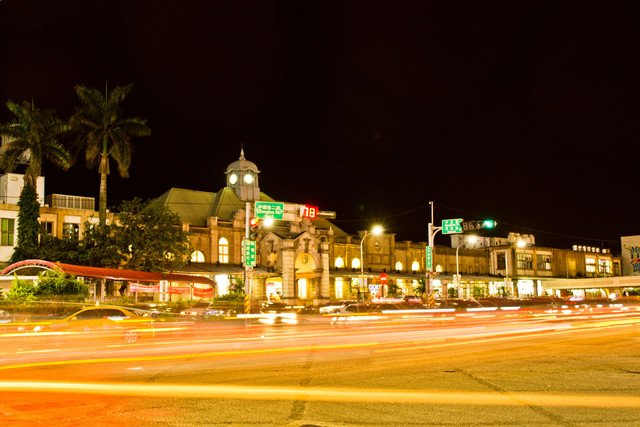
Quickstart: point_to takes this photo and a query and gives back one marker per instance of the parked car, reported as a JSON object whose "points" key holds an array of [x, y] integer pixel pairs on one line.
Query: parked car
{"points": [[336, 308], [199, 310], [357, 308]]}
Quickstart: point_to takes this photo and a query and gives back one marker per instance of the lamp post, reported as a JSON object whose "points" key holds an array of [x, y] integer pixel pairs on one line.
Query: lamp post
{"points": [[376, 231], [470, 239]]}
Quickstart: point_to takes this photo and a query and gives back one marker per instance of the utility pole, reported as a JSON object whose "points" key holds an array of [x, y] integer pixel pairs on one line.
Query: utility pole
{"points": [[430, 254]]}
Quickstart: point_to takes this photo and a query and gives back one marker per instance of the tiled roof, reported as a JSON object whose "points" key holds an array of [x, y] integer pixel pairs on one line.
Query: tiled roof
{"points": [[191, 206], [195, 207]]}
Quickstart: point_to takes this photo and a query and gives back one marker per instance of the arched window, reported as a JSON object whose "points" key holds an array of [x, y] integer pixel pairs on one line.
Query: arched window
{"points": [[339, 262], [355, 263], [197, 256], [223, 251], [399, 266], [438, 268], [415, 266]]}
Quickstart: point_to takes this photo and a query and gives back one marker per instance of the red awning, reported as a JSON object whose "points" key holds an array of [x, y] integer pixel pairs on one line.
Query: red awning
{"points": [[111, 273]]}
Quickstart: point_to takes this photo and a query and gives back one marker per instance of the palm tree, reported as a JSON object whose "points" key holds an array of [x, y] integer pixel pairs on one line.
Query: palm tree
{"points": [[103, 134], [30, 138]]}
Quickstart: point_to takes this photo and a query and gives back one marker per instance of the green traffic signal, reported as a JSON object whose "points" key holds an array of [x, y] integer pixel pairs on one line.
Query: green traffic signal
{"points": [[489, 223]]}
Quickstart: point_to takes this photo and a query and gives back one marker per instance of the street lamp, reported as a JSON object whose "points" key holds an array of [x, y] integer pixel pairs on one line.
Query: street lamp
{"points": [[376, 231], [470, 239]]}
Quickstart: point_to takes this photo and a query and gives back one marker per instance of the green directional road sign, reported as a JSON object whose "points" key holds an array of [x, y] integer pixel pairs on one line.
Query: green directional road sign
{"points": [[452, 226], [429, 259], [273, 210], [250, 253]]}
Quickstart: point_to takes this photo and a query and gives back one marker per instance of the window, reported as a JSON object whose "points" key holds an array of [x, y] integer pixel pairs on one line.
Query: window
{"points": [[8, 227], [339, 262], [223, 251], [501, 261], [524, 261], [339, 284], [415, 266], [70, 230], [355, 263], [197, 256], [590, 264], [46, 228], [302, 288], [543, 262], [604, 266], [398, 266]]}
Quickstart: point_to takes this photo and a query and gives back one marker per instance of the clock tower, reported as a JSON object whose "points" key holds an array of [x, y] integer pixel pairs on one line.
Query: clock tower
{"points": [[242, 177]]}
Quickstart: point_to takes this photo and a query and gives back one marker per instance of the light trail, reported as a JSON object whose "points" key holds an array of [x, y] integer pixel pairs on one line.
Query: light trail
{"points": [[247, 392], [251, 352]]}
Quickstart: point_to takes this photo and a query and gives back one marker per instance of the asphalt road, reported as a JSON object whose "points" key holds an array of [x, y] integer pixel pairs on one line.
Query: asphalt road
{"points": [[580, 369]]}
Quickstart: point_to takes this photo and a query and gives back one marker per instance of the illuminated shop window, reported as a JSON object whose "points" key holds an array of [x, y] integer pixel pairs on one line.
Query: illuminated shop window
{"points": [[339, 262], [355, 263], [197, 256], [415, 266], [223, 251], [399, 266], [590, 265]]}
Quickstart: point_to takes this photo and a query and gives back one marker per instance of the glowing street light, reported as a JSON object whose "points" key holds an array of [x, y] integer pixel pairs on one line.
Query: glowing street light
{"points": [[376, 231], [472, 240]]}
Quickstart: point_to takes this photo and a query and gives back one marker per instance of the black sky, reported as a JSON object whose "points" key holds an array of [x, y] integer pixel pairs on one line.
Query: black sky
{"points": [[525, 112]]}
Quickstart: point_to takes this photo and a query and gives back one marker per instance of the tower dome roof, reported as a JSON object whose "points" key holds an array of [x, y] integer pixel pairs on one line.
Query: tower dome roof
{"points": [[242, 164]]}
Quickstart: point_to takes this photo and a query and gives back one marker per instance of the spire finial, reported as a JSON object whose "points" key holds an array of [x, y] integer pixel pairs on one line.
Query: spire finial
{"points": [[241, 152]]}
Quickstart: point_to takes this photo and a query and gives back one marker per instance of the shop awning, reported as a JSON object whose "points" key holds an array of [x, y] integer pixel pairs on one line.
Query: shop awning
{"points": [[108, 273]]}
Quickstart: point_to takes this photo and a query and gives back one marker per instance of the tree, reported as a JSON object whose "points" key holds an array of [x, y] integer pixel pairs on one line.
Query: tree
{"points": [[150, 235], [30, 138], [103, 134]]}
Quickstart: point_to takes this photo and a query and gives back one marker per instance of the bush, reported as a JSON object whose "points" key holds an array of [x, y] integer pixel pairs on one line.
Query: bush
{"points": [[53, 283]]}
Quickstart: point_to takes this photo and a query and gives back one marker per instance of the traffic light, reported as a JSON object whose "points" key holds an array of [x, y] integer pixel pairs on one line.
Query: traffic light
{"points": [[254, 225], [489, 223]]}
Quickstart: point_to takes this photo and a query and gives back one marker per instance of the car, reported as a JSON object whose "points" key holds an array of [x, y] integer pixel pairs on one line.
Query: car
{"points": [[336, 308], [412, 299], [199, 309], [5, 317], [102, 321], [357, 308], [272, 313]]}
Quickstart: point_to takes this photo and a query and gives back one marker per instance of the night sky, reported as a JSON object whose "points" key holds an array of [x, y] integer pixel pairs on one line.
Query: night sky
{"points": [[525, 112]]}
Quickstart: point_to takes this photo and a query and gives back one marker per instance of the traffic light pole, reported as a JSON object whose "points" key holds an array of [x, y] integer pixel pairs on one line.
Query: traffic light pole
{"points": [[247, 269]]}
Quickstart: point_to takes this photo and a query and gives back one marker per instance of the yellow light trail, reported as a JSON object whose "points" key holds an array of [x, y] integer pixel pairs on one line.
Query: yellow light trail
{"points": [[247, 392], [190, 355]]}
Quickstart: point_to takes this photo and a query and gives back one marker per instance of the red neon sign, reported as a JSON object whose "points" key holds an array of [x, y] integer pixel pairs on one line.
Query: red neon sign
{"points": [[308, 211]]}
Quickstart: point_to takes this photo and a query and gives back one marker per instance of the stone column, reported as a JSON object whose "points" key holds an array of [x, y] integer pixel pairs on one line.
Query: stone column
{"points": [[288, 272]]}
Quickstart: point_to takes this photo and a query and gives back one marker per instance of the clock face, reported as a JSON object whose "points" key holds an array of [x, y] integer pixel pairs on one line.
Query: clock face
{"points": [[248, 179], [233, 178]]}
